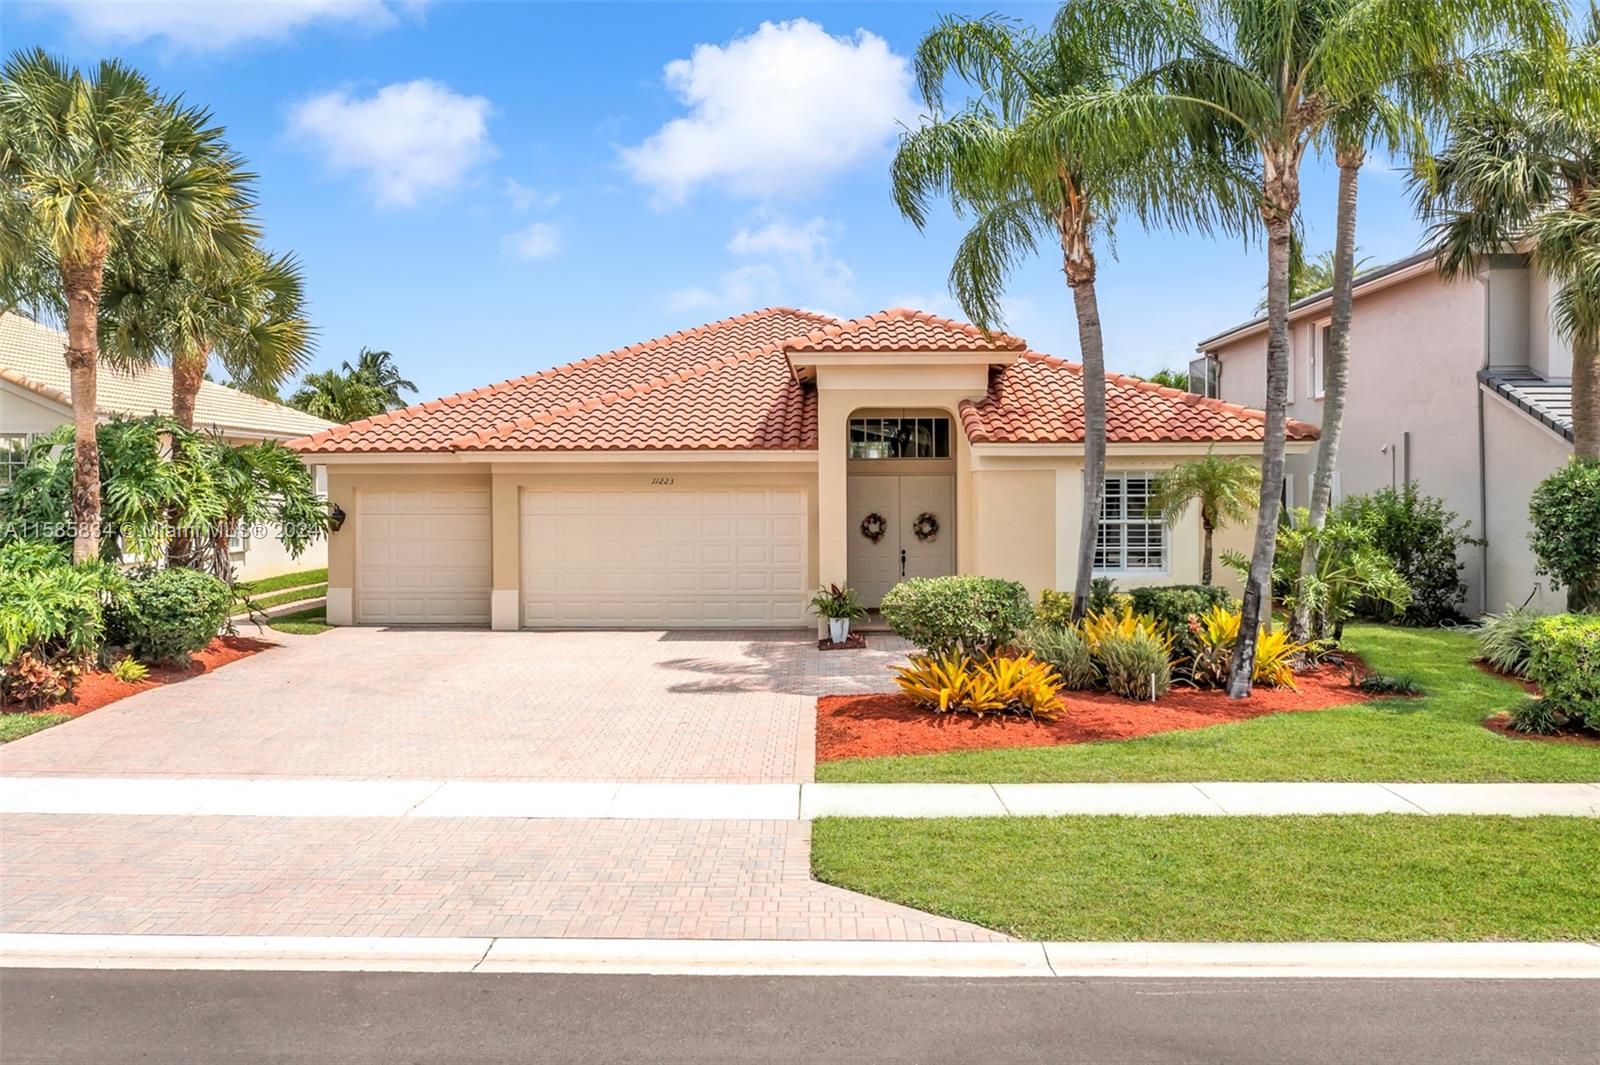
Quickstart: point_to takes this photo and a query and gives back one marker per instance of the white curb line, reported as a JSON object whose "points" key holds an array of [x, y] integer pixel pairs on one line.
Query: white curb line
{"points": [[1521, 961]]}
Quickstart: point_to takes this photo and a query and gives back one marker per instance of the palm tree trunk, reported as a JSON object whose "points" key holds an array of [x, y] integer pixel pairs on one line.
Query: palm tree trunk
{"points": [[1336, 364], [188, 370], [1205, 561], [81, 280], [1280, 196], [1092, 348], [1586, 396]]}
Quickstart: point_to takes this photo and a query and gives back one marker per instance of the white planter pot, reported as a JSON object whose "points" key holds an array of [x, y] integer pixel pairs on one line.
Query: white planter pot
{"points": [[839, 629]]}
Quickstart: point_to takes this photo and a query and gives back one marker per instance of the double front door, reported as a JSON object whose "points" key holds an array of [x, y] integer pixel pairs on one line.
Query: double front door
{"points": [[892, 506]]}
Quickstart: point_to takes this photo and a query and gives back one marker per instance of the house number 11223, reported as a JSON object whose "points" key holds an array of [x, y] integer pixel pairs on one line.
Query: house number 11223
{"points": [[661, 480]]}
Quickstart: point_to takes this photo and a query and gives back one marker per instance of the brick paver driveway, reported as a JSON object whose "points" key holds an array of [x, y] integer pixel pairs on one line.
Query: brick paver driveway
{"points": [[733, 707]]}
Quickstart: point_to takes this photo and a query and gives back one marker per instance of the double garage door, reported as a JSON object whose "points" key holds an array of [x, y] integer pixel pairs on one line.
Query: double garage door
{"points": [[670, 558]]}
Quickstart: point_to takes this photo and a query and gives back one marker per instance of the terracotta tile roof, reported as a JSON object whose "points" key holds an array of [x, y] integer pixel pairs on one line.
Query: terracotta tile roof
{"points": [[903, 329], [1039, 400], [435, 426], [729, 386]]}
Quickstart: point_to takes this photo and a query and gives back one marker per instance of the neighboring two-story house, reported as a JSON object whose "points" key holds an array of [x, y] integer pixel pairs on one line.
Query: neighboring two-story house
{"points": [[1462, 388], [35, 399]]}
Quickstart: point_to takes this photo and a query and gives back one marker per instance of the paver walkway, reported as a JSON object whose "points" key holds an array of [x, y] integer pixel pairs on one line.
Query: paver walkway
{"points": [[450, 704]]}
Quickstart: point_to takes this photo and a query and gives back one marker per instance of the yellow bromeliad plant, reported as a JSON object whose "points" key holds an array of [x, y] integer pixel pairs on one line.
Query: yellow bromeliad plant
{"points": [[999, 684], [1214, 634], [1124, 623]]}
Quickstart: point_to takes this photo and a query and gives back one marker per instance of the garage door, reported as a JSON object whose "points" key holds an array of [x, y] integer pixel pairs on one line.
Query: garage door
{"points": [[668, 558], [422, 557]]}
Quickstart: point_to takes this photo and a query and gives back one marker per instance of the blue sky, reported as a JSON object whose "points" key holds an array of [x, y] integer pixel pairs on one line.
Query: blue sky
{"points": [[490, 189]]}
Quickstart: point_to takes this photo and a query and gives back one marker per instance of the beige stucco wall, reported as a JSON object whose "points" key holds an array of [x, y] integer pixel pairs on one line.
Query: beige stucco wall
{"points": [[21, 412], [1519, 453]]}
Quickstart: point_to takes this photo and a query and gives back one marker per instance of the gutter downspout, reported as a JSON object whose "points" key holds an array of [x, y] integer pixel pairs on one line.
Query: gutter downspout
{"points": [[1483, 462]]}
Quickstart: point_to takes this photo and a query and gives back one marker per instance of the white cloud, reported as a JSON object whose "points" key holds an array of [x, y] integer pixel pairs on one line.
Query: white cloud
{"points": [[407, 140], [525, 199], [214, 25], [794, 263], [776, 113], [537, 241]]}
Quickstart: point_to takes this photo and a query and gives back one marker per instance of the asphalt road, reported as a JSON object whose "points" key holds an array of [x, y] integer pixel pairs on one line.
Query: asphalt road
{"points": [[220, 1017]]}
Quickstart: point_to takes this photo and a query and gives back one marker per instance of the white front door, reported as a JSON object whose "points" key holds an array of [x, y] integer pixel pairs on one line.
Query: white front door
{"points": [[899, 501]]}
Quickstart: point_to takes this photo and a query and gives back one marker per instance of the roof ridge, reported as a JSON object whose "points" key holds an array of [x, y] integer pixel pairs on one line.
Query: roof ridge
{"points": [[1002, 340], [340, 431], [721, 362], [17, 377]]}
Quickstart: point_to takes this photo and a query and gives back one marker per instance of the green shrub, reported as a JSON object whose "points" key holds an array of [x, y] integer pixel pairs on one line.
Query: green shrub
{"points": [[129, 671], [1135, 663], [1064, 649], [1384, 684], [1424, 540], [1174, 604], [52, 619], [170, 614], [1565, 663], [1538, 717], [1506, 640], [1565, 513], [970, 615], [1055, 608]]}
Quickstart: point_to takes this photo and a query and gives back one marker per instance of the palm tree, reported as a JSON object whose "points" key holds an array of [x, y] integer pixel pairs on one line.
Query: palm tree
{"points": [[88, 165], [1274, 75], [380, 371], [338, 397], [1066, 193], [247, 310], [1225, 489], [1307, 277], [1521, 173]]}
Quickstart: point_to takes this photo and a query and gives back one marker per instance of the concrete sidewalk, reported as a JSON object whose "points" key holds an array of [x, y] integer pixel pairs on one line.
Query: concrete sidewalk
{"points": [[609, 800]]}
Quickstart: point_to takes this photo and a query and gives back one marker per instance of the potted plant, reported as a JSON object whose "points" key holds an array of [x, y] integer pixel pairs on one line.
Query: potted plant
{"points": [[839, 605]]}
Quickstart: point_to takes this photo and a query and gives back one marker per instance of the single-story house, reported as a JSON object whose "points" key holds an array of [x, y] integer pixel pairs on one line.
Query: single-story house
{"points": [[713, 477], [35, 399]]}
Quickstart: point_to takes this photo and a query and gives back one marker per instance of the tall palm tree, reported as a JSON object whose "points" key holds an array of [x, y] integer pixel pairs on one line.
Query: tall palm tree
{"points": [[1066, 193], [1225, 488], [338, 397], [1520, 172], [380, 371], [1274, 75], [89, 164], [247, 310]]}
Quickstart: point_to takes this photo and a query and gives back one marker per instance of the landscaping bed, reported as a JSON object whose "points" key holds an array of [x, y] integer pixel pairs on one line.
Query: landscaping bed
{"points": [[1389, 877], [876, 725], [99, 688]]}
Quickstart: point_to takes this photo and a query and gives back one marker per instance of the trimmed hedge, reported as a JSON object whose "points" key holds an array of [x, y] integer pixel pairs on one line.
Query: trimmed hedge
{"points": [[1172, 604], [968, 615], [1565, 663], [170, 614]]}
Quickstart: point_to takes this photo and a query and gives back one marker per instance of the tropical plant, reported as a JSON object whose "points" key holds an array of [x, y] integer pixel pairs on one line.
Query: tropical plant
{"points": [[1565, 532], [1565, 663], [378, 369], [834, 601], [246, 309], [1520, 173], [1178, 379], [956, 683], [1214, 635], [339, 396], [1065, 650], [1278, 76], [1307, 277], [153, 469], [1137, 663], [968, 615], [129, 670], [169, 614], [49, 607], [1223, 487], [1122, 624], [1174, 604], [1424, 540], [1505, 642], [90, 165], [1022, 189]]}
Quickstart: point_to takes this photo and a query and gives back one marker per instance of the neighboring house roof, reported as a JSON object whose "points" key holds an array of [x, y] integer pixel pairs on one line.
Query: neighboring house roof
{"points": [[1039, 400], [1418, 263], [31, 357], [1548, 401], [729, 385]]}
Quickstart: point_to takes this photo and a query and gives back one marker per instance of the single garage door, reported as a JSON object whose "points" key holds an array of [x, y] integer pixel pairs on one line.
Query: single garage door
{"points": [[422, 557], [667, 558]]}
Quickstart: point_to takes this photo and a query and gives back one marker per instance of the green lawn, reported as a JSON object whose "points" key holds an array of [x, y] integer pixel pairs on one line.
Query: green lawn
{"points": [[1388, 877], [283, 580], [16, 726], [267, 602], [302, 622], [1437, 737]]}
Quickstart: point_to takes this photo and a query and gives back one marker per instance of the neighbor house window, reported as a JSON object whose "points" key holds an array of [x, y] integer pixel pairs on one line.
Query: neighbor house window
{"points": [[1128, 540], [900, 438], [237, 540], [13, 454], [1205, 376], [1317, 369]]}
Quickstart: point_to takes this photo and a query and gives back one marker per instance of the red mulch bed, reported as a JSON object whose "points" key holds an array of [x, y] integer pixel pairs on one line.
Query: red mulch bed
{"points": [[853, 642], [1501, 723], [871, 726], [1523, 682], [98, 689]]}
